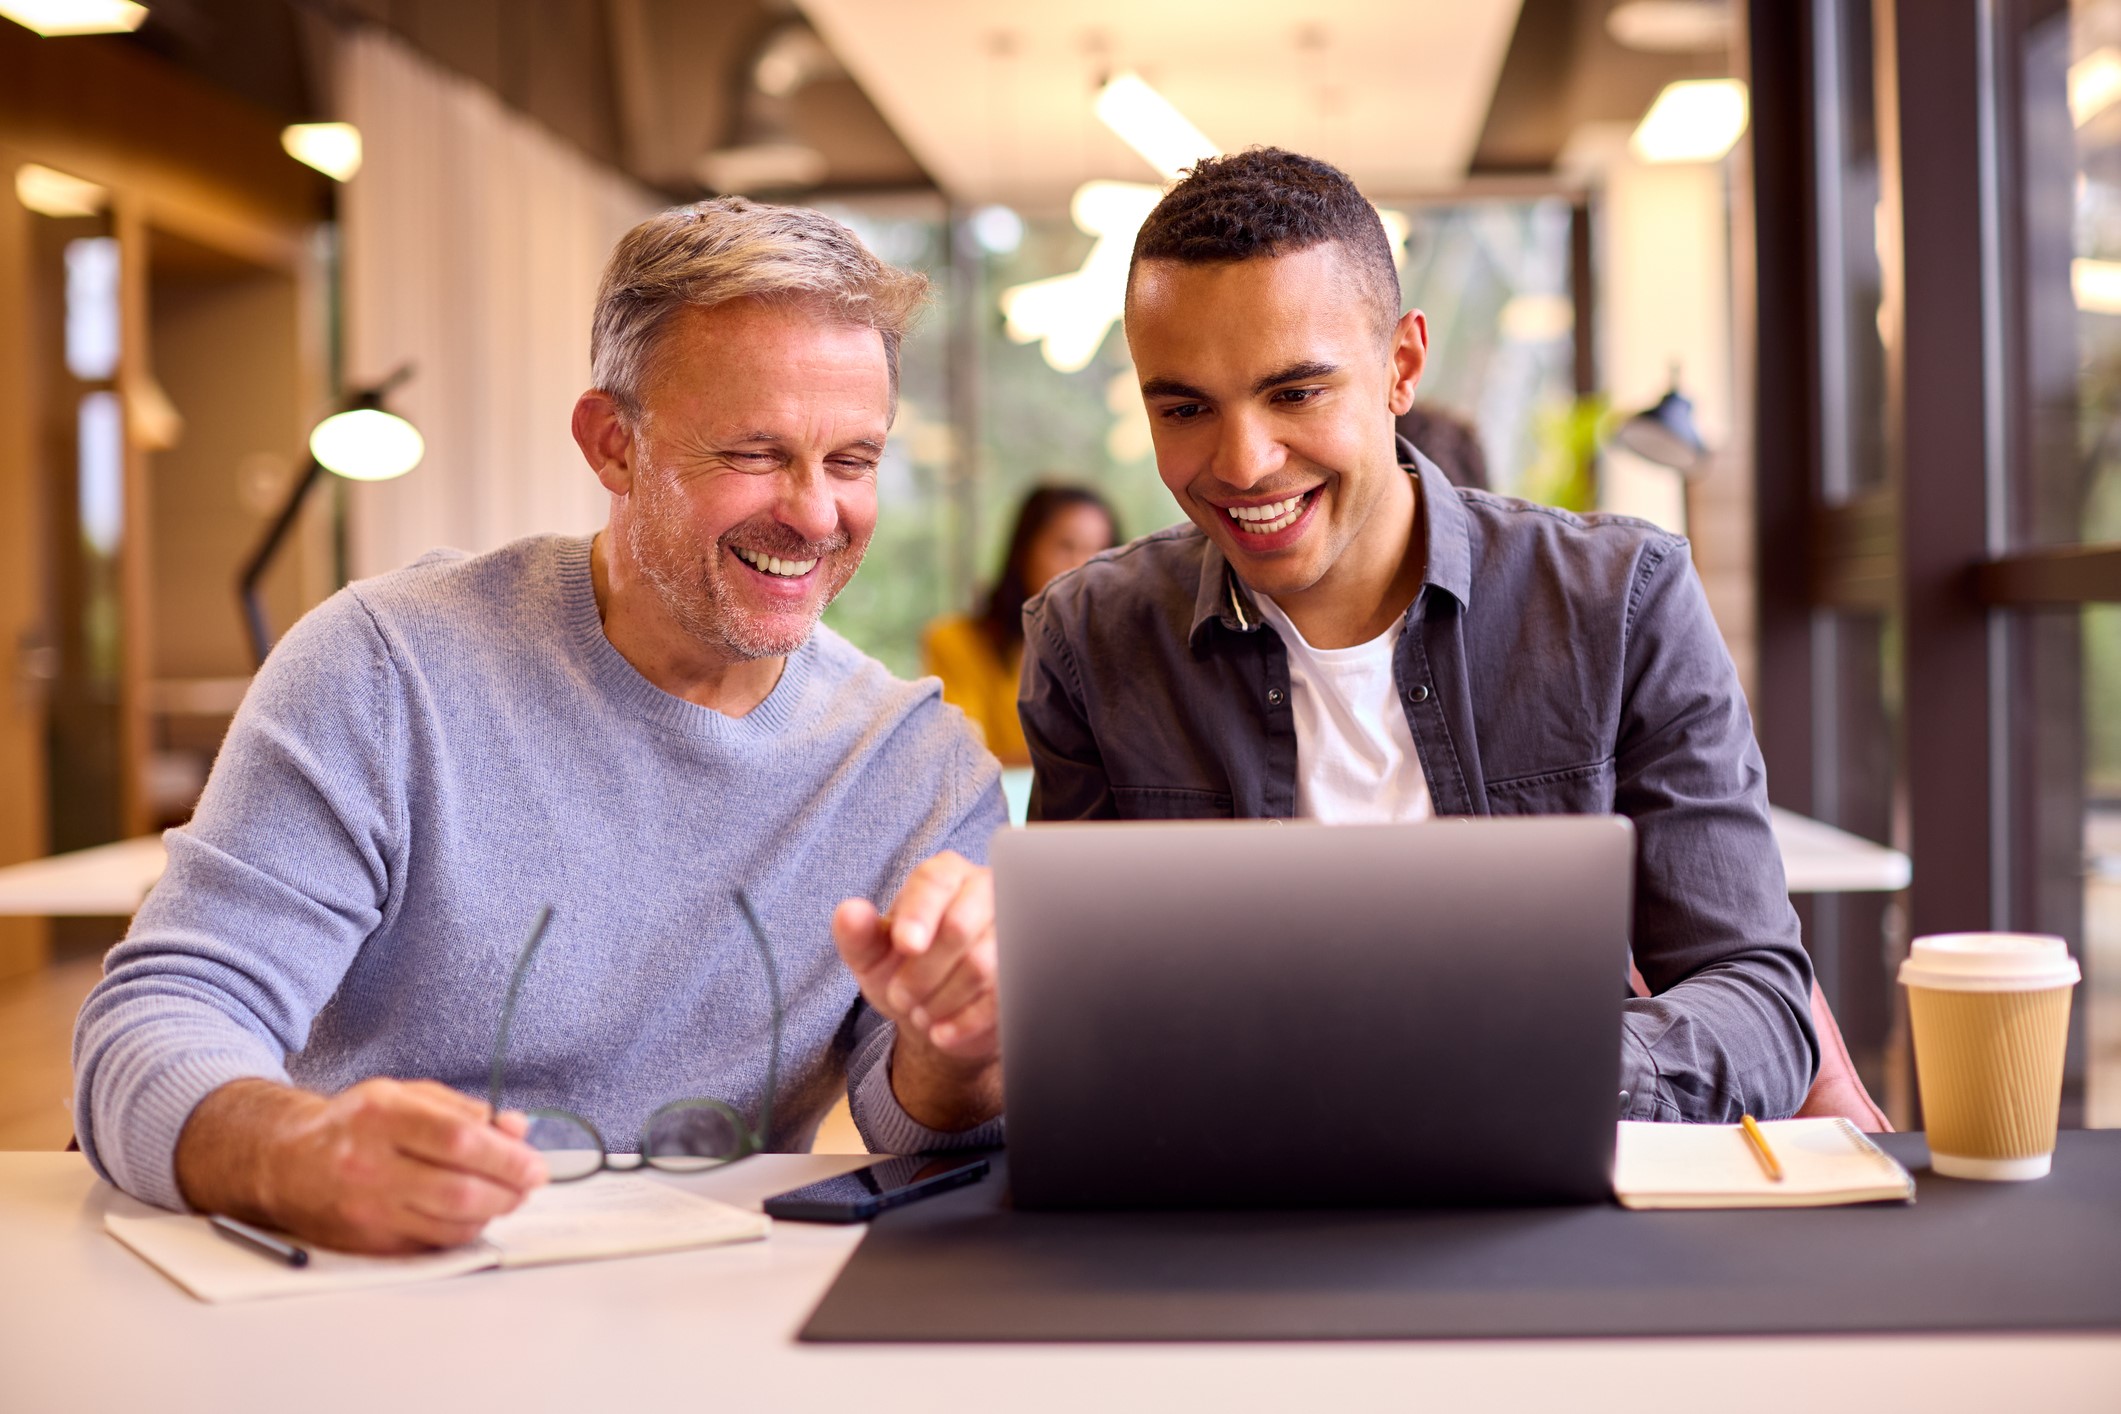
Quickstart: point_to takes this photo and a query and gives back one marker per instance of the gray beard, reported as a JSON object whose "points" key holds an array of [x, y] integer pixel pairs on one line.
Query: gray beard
{"points": [[695, 590]]}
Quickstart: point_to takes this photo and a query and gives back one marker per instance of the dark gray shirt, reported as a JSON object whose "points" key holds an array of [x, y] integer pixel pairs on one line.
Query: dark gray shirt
{"points": [[1551, 664]]}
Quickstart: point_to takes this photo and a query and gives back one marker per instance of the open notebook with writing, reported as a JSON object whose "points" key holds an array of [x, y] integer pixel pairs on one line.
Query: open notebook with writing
{"points": [[611, 1215], [1825, 1162]]}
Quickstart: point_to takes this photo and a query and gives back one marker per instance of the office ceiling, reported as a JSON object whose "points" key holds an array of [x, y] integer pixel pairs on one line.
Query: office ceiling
{"points": [[994, 98]]}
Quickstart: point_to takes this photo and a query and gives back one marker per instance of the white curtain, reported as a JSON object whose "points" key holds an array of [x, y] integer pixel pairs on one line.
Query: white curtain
{"points": [[472, 243]]}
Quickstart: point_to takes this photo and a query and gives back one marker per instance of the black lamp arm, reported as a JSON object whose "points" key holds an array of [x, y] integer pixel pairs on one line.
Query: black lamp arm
{"points": [[261, 637]]}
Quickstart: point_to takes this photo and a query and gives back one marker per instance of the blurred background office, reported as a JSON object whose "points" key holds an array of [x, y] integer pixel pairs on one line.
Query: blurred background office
{"points": [[1832, 286]]}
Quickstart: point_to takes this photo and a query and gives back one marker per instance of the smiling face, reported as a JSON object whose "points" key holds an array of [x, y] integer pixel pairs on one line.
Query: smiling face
{"points": [[752, 489], [1271, 392]]}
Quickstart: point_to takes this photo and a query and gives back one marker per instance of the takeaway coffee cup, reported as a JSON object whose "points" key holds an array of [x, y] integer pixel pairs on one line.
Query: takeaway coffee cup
{"points": [[1991, 1016]]}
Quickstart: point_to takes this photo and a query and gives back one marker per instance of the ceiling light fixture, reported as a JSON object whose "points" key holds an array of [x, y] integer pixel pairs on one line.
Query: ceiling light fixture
{"points": [[762, 167], [1694, 120], [2094, 84], [56, 18], [1071, 314], [49, 192], [1670, 26], [1146, 122], [332, 148]]}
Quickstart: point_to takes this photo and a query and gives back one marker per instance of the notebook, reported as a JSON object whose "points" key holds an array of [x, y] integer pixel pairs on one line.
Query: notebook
{"points": [[1825, 1162], [611, 1215]]}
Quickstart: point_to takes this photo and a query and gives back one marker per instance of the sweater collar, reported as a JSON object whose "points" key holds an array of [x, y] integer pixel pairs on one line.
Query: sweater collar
{"points": [[623, 682]]}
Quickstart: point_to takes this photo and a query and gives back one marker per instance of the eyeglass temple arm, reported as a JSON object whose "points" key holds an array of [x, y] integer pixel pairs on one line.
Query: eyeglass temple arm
{"points": [[508, 1005], [773, 990]]}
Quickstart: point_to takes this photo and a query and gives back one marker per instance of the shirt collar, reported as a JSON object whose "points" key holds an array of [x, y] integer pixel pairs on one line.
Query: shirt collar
{"points": [[1446, 541]]}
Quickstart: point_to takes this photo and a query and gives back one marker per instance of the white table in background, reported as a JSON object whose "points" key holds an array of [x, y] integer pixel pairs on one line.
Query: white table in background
{"points": [[1817, 857], [110, 880], [85, 1325], [107, 881]]}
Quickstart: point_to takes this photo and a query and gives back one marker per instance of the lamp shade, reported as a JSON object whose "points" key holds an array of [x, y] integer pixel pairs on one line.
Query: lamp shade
{"points": [[367, 444], [1665, 434]]}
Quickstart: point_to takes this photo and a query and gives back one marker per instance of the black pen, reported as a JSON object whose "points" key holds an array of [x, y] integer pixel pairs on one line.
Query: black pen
{"points": [[260, 1241]]}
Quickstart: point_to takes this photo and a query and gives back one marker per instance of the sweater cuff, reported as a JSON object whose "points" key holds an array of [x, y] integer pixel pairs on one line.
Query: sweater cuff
{"points": [[137, 1149], [884, 1124]]}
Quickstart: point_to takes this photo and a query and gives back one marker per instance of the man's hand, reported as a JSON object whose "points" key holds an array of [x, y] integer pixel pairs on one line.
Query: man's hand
{"points": [[386, 1166], [929, 967]]}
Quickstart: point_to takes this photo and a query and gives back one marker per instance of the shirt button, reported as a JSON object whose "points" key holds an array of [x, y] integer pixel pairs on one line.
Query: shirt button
{"points": [[1275, 697], [1418, 693]]}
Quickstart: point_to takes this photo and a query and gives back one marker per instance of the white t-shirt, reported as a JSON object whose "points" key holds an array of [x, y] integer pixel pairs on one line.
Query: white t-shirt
{"points": [[1355, 759]]}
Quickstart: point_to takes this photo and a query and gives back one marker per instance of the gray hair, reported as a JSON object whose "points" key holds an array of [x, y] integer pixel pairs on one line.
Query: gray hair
{"points": [[728, 248]]}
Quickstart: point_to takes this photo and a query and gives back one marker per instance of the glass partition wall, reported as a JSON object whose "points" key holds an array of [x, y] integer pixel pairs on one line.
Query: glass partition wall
{"points": [[984, 418], [1940, 481]]}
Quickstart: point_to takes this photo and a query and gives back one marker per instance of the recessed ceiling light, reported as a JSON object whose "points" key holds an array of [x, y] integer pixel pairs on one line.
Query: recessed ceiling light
{"points": [[332, 148], [52, 18], [53, 193], [1694, 120]]}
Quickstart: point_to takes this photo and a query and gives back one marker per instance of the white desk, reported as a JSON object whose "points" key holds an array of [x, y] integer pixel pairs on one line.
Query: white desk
{"points": [[85, 1325]]}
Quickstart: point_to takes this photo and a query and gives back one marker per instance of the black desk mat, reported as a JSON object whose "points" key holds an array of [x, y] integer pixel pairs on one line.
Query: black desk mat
{"points": [[1964, 1256]]}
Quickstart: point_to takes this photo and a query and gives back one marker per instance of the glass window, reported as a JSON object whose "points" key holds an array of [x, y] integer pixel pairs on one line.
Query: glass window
{"points": [[2065, 431]]}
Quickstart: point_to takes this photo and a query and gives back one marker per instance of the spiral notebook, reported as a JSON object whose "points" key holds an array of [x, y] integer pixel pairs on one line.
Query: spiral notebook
{"points": [[612, 1215], [1825, 1162]]}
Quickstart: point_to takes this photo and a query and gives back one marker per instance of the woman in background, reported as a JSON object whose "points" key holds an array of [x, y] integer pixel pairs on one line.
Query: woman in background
{"points": [[979, 656]]}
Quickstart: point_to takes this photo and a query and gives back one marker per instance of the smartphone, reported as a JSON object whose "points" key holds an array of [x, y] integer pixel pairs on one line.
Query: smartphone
{"points": [[888, 1183]]}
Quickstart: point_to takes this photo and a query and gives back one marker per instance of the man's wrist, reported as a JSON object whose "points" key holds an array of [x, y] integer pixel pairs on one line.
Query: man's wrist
{"points": [[225, 1159], [942, 1092]]}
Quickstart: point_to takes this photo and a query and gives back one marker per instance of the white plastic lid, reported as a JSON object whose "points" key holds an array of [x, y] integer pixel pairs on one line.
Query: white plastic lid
{"points": [[1989, 962]]}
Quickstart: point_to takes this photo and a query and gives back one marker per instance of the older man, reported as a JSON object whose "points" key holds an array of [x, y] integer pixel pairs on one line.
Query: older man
{"points": [[629, 727]]}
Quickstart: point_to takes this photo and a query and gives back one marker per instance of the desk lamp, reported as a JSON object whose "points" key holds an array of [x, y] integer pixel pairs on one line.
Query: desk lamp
{"points": [[363, 441], [1666, 435]]}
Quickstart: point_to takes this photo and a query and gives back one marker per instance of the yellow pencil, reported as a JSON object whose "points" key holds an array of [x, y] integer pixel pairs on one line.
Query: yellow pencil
{"points": [[1758, 1140]]}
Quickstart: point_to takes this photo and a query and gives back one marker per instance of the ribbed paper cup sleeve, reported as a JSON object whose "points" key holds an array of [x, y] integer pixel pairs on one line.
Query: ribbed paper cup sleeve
{"points": [[1990, 1067]]}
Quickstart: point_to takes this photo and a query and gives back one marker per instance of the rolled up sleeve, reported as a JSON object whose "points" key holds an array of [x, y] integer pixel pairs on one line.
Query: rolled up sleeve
{"points": [[1727, 1026]]}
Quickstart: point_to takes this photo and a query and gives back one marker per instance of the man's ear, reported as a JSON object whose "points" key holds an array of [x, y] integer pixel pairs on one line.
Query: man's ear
{"points": [[606, 441], [1409, 354]]}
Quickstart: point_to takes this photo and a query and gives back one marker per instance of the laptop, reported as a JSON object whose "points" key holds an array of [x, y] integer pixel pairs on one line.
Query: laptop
{"points": [[1268, 1014]]}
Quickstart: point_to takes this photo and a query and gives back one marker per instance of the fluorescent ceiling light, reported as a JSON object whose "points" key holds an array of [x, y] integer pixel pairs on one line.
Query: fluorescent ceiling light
{"points": [[332, 148], [367, 444], [762, 167], [52, 18], [2096, 285], [1694, 120], [1146, 122], [1670, 26], [2094, 84], [53, 193]]}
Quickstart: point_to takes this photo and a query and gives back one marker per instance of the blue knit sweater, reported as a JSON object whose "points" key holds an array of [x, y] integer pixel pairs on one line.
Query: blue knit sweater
{"points": [[430, 756]]}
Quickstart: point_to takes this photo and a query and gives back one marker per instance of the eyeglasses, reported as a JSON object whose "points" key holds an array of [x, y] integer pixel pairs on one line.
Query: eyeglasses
{"points": [[683, 1136]]}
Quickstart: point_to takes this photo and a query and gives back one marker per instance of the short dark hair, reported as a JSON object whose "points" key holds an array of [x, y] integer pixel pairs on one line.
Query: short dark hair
{"points": [[1265, 202]]}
